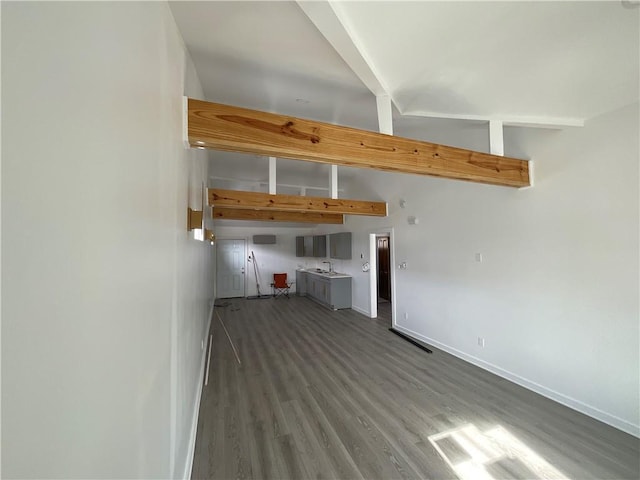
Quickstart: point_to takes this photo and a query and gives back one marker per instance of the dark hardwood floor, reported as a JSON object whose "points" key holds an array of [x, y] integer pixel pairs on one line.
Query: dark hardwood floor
{"points": [[322, 394]]}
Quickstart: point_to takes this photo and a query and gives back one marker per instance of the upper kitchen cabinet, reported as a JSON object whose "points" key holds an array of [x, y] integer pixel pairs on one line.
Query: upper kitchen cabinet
{"points": [[319, 245], [340, 245], [308, 246], [311, 246], [299, 246]]}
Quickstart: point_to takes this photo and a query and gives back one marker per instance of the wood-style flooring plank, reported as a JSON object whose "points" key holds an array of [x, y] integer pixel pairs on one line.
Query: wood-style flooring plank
{"points": [[335, 395]]}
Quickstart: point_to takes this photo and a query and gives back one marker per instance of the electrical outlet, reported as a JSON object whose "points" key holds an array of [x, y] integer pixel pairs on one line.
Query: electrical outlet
{"points": [[479, 257], [201, 344], [406, 316], [481, 342]]}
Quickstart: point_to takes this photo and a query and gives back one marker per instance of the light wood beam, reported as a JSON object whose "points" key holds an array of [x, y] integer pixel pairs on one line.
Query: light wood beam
{"points": [[293, 203], [194, 219], [225, 127], [221, 213]]}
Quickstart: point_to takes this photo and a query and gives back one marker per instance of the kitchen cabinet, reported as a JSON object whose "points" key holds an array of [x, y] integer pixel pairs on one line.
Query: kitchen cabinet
{"points": [[320, 246], [311, 246], [299, 246], [301, 283], [340, 245], [308, 246], [332, 291]]}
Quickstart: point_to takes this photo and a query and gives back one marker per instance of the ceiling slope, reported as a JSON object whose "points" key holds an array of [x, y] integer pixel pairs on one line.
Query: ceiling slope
{"points": [[523, 63], [551, 63]]}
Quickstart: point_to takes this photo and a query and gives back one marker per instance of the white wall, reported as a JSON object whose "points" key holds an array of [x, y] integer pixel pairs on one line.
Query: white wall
{"points": [[277, 258], [105, 295], [556, 297]]}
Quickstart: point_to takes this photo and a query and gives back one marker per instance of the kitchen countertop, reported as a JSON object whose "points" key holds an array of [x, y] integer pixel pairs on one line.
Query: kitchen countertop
{"points": [[325, 274]]}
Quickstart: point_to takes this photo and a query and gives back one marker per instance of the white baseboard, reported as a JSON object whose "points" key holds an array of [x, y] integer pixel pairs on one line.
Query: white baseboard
{"points": [[188, 468], [570, 402], [360, 310]]}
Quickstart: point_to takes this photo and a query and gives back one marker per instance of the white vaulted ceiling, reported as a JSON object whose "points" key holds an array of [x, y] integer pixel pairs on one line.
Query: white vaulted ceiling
{"points": [[269, 56], [550, 60], [446, 65]]}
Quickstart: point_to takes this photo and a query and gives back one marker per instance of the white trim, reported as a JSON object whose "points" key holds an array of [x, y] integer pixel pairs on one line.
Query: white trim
{"points": [[392, 276], [496, 138], [531, 177], [507, 121], [331, 22], [209, 348], [565, 400], [373, 276], [188, 468], [385, 115], [185, 121], [360, 310], [333, 181], [272, 175]]}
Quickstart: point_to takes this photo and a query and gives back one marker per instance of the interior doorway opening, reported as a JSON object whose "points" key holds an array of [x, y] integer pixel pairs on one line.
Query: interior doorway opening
{"points": [[381, 276]]}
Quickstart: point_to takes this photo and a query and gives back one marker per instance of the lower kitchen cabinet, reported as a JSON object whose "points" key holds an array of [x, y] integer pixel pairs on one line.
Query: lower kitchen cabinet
{"points": [[332, 292], [301, 283]]}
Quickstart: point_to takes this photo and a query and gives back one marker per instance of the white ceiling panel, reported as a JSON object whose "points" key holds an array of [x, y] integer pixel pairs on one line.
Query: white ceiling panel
{"points": [[269, 56], [501, 59], [448, 66]]}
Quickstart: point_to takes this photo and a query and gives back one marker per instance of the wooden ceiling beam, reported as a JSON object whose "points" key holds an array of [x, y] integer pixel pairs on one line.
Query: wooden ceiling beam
{"points": [[224, 127], [221, 213], [293, 203]]}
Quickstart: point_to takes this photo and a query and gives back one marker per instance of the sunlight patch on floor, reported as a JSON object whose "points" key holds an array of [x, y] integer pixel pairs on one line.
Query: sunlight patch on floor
{"points": [[492, 455]]}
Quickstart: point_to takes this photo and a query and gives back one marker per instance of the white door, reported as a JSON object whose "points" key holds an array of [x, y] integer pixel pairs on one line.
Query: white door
{"points": [[230, 262]]}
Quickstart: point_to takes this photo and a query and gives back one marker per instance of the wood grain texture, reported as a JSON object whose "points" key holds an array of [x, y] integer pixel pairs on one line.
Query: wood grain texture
{"points": [[194, 219], [238, 199], [222, 213], [225, 127], [334, 395]]}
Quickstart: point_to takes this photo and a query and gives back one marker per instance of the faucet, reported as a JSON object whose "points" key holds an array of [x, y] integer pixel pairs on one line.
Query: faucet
{"points": [[330, 266]]}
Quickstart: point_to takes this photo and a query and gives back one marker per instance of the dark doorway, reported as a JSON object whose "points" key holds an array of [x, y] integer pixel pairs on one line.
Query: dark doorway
{"points": [[384, 270]]}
